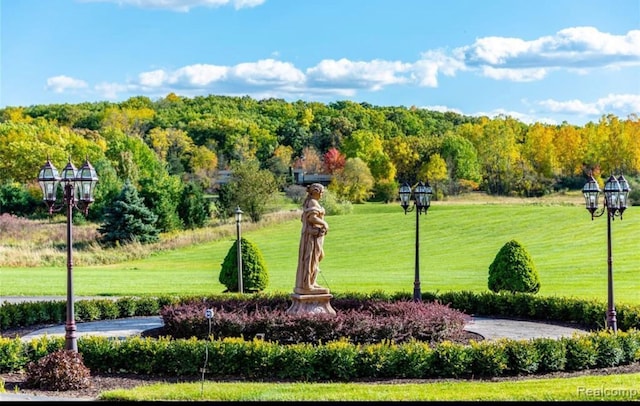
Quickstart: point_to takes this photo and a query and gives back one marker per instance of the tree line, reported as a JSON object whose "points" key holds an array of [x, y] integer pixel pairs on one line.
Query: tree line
{"points": [[171, 149]]}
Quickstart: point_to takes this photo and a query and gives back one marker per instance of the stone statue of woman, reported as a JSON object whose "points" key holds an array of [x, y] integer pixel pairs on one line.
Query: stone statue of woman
{"points": [[311, 251]]}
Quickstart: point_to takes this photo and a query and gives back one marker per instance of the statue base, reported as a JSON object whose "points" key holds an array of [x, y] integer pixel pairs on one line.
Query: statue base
{"points": [[311, 304]]}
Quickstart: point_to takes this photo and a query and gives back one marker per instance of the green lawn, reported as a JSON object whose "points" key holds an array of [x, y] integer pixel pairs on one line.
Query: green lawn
{"points": [[582, 388], [374, 249]]}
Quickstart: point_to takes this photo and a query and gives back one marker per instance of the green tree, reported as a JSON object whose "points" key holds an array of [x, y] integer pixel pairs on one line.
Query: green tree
{"points": [[513, 270], [461, 158], [193, 208], [127, 220], [255, 276], [161, 194], [250, 188], [16, 200]]}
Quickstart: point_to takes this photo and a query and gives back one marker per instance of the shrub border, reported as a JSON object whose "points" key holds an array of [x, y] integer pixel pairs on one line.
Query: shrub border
{"points": [[338, 360]]}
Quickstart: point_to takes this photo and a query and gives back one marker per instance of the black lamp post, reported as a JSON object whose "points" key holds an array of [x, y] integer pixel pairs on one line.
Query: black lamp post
{"points": [[239, 246], [616, 193], [422, 200], [78, 187]]}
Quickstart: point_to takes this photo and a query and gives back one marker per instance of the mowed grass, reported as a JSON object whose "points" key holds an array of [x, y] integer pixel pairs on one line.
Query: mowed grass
{"points": [[373, 248], [582, 388]]}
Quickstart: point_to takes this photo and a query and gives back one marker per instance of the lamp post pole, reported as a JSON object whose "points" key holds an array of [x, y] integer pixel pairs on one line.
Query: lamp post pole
{"points": [[616, 193], [417, 293], [422, 200], [239, 246], [70, 337], [78, 187], [612, 322]]}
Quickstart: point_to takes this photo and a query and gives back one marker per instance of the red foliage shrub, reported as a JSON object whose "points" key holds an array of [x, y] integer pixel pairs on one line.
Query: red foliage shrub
{"points": [[364, 322]]}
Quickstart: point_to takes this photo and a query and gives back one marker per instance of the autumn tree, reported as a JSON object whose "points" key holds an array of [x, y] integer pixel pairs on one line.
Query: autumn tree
{"points": [[404, 157], [311, 161], [435, 172], [280, 162], [353, 183], [333, 161]]}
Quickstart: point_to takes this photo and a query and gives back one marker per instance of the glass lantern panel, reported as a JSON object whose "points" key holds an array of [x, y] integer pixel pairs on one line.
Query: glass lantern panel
{"points": [[405, 193], [69, 173]]}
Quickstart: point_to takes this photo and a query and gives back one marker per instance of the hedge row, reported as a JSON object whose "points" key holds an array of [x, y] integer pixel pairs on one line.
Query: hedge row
{"points": [[589, 314], [236, 358]]}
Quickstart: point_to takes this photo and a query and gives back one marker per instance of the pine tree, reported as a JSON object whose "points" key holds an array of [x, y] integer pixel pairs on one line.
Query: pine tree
{"points": [[128, 220]]}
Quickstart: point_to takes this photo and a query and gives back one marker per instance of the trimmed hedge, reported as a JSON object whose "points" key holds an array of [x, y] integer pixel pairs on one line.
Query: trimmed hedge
{"points": [[334, 361], [589, 314], [337, 360]]}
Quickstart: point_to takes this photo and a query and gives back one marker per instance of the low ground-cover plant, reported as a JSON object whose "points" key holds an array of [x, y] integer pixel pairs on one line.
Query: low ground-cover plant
{"points": [[368, 322]]}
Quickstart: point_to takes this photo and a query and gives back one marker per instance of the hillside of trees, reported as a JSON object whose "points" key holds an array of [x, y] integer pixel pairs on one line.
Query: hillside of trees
{"points": [[175, 147]]}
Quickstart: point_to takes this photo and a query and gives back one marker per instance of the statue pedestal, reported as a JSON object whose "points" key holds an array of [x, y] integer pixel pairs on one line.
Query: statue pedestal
{"points": [[311, 304]]}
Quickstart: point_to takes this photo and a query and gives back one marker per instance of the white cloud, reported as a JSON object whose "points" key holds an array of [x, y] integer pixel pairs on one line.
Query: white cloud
{"points": [[577, 50], [570, 106], [629, 103], [199, 75], [371, 75], [425, 71], [111, 91], [267, 72], [154, 78], [571, 48], [514, 75], [182, 5], [62, 83], [621, 105]]}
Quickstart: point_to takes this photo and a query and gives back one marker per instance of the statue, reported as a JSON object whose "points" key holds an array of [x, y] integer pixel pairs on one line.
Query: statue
{"points": [[311, 251]]}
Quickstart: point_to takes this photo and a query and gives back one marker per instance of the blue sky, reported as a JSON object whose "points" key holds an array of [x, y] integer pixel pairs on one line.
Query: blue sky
{"points": [[535, 60]]}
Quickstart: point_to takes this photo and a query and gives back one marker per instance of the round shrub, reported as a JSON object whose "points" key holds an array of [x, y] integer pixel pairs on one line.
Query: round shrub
{"points": [[513, 270], [254, 270]]}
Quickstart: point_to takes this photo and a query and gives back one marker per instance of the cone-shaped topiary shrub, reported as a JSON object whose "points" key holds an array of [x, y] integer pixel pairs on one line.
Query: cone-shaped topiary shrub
{"points": [[254, 271], [61, 370], [513, 270]]}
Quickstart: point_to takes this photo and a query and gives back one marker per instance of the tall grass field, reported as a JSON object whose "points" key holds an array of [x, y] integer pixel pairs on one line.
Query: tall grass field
{"points": [[374, 248]]}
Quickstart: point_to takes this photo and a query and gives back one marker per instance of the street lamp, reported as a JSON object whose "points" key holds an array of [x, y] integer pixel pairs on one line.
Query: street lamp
{"points": [[239, 246], [422, 200], [616, 193], [78, 187]]}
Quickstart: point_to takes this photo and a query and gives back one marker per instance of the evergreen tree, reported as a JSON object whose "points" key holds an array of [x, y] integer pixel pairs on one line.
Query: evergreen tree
{"points": [[194, 210], [254, 271], [128, 220], [513, 270]]}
